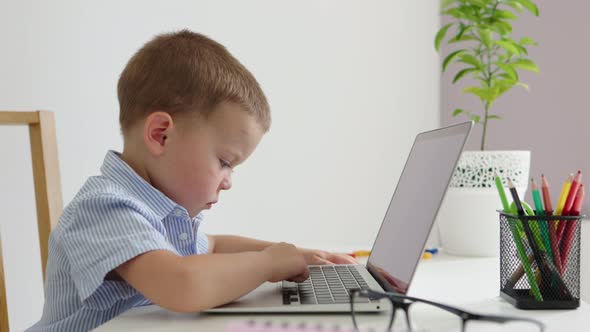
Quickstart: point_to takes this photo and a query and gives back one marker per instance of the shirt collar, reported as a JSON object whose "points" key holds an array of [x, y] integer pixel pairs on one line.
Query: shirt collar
{"points": [[115, 169]]}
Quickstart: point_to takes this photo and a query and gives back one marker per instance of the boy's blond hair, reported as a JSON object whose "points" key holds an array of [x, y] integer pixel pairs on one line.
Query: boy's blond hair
{"points": [[182, 73]]}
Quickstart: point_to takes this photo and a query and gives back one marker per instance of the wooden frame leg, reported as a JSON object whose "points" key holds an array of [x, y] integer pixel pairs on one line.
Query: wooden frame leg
{"points": [[46, 177], [47, 182]]}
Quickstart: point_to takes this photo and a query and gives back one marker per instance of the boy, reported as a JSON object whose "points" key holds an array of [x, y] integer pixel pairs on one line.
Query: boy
{"points": [[189, 113]]}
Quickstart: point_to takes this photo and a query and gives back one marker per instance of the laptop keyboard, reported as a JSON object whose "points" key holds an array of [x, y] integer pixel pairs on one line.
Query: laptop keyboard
{"points": [[326, 284]]}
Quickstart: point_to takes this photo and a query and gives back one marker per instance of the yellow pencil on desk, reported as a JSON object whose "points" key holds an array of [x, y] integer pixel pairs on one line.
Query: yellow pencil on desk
{"points": [[360, 253], [426, 255]]}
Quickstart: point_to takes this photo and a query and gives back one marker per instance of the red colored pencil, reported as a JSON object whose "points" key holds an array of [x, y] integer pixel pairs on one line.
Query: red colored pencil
{"points": [[569, 203], [571, 227]]}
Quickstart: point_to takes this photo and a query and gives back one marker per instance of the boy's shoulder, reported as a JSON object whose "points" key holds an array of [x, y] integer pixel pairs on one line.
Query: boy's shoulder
{"points": [[117, 195], [100, 192], [100, 187]]}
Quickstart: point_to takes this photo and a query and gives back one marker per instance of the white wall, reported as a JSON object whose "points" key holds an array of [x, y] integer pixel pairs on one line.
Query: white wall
{"points": [[350, 83]]}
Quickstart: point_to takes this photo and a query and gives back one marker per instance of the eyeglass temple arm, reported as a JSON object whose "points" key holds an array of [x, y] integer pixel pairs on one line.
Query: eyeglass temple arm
{"points": [[505, 319], [465, 315]]}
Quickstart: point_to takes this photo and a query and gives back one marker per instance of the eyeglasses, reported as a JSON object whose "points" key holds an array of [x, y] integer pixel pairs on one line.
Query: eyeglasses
{"points": [[424, 315]]}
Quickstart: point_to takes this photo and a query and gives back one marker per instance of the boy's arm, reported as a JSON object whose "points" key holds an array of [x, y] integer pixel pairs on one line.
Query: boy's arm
{"points": [[224, 244], [198, 282], [234, 244]]}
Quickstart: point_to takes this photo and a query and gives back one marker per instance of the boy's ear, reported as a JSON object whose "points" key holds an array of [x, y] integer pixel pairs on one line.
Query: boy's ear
{"points": [[156, 129]]}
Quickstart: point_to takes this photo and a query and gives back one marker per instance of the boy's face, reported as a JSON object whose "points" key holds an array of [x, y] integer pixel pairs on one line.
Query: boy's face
{"points": [[200, 155]]}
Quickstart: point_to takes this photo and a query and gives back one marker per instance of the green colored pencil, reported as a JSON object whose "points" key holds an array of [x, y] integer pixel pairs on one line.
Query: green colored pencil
{"points": [[540, 211], [502, 194]]}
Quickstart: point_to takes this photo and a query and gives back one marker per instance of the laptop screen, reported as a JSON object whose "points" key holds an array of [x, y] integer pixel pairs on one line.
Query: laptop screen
{"points": [[414, 206]]}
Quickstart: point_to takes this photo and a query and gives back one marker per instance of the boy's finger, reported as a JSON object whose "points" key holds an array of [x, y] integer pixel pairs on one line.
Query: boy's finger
{"points": [[302, 277], [343, 259], [321, 261]]}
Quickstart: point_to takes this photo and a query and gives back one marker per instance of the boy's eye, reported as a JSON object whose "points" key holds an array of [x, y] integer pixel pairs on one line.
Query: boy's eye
{"points": [[224, 163]]}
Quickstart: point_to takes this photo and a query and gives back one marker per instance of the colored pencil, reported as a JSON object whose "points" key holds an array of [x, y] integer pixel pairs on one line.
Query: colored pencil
{"points": [[523, 257], [502, 194], [546, 196], [540, 211], [569, 202], [571, 225], [551, 230], [525, 266], [545, 265], [565, 189]]}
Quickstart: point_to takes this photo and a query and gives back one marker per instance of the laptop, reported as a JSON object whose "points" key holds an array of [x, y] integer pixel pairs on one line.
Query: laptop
{"points": [[397, 248]]}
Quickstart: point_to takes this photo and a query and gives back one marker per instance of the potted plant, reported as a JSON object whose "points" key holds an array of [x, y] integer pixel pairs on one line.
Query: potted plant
{"points": [[482, 47]]}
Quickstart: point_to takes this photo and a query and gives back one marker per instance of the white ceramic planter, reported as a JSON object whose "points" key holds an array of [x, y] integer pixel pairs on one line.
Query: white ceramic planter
{"points": [[467, 220]]}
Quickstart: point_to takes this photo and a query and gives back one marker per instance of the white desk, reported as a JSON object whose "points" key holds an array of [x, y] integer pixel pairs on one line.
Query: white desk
{"points": [[470, 283]]}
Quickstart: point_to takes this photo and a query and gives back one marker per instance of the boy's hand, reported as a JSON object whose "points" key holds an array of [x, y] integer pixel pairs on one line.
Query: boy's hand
{"points": [[287, 263], [320, 257]]}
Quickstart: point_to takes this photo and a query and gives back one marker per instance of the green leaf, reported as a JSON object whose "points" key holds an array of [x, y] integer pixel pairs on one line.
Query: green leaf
{"points": [[505, 85], [486, 37], [508, 46], [450, 58], [462, 73], [478, 3], [474, 90], [494, 117], [526, 64], [455, 12], [504, 75], [530, 6], [509, 70], [457, 111], [475, 118], [445, 3], [471, 60], [522, 49], [516, 5], [505, 14], [440, 35], [527, 41], [460, 39], [486, 94], [462, 29], [503, 28]]}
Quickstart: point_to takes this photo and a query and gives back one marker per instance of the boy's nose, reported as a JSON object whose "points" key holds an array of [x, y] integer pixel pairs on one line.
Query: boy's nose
{"points": [[226, 183]]}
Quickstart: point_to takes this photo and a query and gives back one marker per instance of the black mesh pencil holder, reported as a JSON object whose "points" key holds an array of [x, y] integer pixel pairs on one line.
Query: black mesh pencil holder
{"points": [[540, 261]]}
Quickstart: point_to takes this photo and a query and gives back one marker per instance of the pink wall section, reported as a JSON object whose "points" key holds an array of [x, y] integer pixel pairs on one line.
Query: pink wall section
{"points": [[552, 120]]}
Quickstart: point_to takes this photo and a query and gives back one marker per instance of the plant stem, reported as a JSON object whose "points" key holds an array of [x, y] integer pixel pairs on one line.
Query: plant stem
{"points": [[489, 53], [488, 81], [485, 126]]}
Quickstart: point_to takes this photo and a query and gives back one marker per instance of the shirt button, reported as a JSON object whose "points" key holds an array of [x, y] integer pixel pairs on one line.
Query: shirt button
{"points": [[183, 236], [177, 213]]}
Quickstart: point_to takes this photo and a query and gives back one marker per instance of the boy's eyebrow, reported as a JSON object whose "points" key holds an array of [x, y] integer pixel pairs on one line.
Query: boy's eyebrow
{"points": [[237, 157]]}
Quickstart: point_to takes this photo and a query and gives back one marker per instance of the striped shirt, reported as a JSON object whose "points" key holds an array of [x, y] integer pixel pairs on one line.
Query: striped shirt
{"points": [[113, 218]]}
